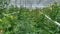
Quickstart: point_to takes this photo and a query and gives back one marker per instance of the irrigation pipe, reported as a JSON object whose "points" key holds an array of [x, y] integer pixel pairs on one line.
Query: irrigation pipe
{"points": [[57, 23]]}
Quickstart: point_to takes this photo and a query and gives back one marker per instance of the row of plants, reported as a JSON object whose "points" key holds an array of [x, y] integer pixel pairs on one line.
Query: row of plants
{"points": [[14, 20]]}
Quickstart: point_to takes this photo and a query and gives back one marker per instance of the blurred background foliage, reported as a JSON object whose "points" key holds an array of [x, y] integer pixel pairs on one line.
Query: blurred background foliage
{"points": [[14, 20]]}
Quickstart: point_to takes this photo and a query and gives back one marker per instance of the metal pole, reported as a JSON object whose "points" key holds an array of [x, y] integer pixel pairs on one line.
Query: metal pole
{"points": [[15, 3]]}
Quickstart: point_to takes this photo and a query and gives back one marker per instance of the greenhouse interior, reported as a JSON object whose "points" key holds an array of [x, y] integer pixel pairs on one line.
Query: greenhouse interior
{"points": [[29, 16]]}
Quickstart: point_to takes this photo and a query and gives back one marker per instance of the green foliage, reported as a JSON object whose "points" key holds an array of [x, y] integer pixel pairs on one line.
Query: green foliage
{"points": [[29, 21]]}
